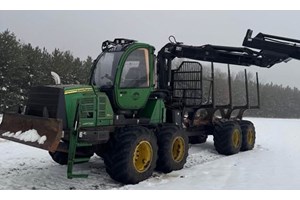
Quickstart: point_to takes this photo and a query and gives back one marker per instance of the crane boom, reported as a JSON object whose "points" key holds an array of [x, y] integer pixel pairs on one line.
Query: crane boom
{"points": [[270, 45], [270, 50]]}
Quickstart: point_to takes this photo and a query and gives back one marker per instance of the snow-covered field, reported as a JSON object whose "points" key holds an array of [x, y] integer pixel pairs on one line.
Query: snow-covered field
{"points": [[273, 164]]}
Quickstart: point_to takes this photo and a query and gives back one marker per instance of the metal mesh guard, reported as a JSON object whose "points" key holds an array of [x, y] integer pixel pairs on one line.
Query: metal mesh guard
{"points": [[187, 83]]}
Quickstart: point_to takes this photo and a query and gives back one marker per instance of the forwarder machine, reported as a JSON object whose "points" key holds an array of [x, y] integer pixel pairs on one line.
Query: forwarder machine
{"points": [[139, 113]]}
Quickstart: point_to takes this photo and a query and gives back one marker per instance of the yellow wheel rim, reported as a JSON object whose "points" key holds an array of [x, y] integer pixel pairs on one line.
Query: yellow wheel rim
{"points": [[236, 139], [142, 156], [178, 149], [250, 137]]}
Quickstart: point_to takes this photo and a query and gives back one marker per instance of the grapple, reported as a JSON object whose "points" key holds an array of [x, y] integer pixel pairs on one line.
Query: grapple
{"points": [[49, 129]]}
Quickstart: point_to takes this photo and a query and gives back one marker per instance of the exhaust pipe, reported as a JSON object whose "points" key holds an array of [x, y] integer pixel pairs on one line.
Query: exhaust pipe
{"points": [[56, 78]]}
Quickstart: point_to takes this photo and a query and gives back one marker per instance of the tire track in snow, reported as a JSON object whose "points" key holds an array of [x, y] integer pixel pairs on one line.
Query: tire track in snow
{"points": [[198, 154], [202, 153], [53, 176], [34, 169]]}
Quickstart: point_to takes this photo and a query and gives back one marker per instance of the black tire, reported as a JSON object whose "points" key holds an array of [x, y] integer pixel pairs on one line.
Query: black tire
{"points": [[227, 137], [249, 135], [62, 157], [124, 161], [197, 139], [59, 157], [100, 154], [172, 149], [100, 150]]}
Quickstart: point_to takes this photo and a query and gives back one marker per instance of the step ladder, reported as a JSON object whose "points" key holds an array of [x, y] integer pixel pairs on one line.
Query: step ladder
{"points": [[73, 145]]}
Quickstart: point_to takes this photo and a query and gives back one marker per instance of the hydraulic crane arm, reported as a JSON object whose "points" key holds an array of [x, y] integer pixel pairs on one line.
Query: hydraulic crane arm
{"points": [[270, 51], [212, 53], [275, 46]]}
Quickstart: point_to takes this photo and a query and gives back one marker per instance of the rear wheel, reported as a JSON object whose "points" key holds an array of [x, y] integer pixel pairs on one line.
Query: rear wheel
{"points": [[172, 149], [227, 137], [248, 132], [132, 155]]}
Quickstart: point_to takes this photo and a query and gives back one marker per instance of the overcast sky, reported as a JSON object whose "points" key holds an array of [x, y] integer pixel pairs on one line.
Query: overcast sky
{"points": [[82, 32]]}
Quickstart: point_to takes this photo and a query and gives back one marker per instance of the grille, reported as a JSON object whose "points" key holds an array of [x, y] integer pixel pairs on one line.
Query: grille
{"points": [[187, 84], [102, 107], [87, 107]]}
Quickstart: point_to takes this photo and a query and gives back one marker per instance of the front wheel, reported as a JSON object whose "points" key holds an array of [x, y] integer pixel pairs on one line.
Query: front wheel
{"points": [[131, 155], [59, 157], [100, 150], [62, 157]]}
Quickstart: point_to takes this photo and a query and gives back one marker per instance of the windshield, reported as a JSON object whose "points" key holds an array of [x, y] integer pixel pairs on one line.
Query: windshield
{"points": [[105, 70]]}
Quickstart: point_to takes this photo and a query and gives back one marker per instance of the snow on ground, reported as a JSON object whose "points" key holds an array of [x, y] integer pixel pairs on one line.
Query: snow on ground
{"points": [[272, 164]]}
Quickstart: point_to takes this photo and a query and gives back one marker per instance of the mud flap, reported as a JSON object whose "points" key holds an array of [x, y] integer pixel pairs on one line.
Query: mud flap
{"points": [[44, 133]]}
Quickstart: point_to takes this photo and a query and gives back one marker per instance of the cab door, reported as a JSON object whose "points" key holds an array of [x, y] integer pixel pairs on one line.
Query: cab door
{"points": [[134, 78]]}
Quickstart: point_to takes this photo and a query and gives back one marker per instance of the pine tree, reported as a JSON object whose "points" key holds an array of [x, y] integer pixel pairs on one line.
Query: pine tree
{"points": [[10, 59]]}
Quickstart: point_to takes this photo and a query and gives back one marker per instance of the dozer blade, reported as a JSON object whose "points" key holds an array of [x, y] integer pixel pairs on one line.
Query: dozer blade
{"points": [[44, 133]]}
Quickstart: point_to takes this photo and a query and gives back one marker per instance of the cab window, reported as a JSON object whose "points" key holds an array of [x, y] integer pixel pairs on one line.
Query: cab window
{"points": [[136, 70]]}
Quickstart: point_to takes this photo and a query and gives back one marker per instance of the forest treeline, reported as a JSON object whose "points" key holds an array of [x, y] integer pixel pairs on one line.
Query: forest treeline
{"points": [[23, 66]]}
